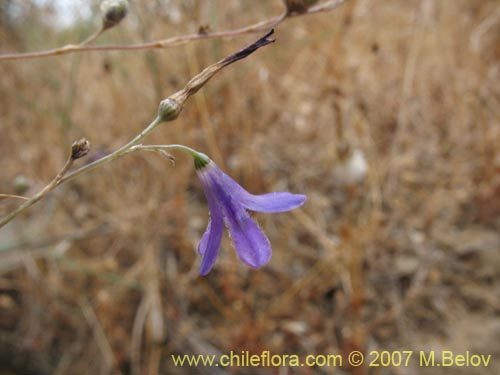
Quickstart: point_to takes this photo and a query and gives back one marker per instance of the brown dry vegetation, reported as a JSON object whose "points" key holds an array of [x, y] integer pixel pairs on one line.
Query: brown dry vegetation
{"points": [[101, 276]]}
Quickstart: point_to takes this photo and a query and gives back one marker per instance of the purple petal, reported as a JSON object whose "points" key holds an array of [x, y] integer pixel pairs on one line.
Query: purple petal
{"points": [[202, 245], [210, 242], [251, 244], [228, 202], [269, 203], [272, 202]]}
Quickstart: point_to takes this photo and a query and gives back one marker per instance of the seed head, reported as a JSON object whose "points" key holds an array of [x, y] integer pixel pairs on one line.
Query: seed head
{"points": [[80, 148], [169, 109], [113, 12]]}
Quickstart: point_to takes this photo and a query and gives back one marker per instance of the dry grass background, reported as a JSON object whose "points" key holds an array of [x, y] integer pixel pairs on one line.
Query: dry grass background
{"points": [[101, 277]]}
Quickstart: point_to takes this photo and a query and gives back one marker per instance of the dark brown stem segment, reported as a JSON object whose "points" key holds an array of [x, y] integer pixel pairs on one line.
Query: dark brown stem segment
{"points": [[244, 52], [200, 79]]}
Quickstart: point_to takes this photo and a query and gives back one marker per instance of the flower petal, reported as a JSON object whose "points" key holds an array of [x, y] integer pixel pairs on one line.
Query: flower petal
{"points": [[228, 202], [269, 203], [209, 245], [250, 242], [272, 202]]}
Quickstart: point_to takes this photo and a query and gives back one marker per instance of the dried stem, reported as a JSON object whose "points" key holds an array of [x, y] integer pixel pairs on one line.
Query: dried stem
{"points": [[174, 41], [168, 111], [56, 51], [99, 336], [13, 196], [30, 202]]}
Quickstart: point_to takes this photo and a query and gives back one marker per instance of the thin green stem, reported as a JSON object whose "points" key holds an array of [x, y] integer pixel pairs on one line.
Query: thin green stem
{"points": [[115, 154], [92, 37], [168, 110], [63, 176], [185, 149]]}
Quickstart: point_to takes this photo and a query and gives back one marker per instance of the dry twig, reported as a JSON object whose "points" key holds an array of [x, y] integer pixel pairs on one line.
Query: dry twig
{"points": [[173, 41]]}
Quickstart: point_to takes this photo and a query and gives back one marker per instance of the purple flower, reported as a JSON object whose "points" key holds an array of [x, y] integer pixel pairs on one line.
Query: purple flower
{"points": [[228, 203]]}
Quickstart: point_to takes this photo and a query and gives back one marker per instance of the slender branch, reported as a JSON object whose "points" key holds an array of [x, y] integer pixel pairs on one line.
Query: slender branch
{"points": [[168, 110], [178, 40], [92, 37], [114, 155], [185, 149], [55, 51], [172, 106], [30, 202], [13, 196]]}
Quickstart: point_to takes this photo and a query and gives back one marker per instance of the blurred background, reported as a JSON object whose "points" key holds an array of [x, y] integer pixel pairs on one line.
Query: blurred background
{"points": [[385, 113]]}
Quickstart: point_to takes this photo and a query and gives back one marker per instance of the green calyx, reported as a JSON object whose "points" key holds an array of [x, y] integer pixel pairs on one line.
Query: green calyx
{"points": [[200, 160]]}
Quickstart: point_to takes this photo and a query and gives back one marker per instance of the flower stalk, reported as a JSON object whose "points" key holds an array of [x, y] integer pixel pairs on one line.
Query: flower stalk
{"points": [[168, 110]]}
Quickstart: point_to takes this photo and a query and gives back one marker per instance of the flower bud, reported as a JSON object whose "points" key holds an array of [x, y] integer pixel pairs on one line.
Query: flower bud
{"points": [[80, 148], [113, 12], [169, 109]]}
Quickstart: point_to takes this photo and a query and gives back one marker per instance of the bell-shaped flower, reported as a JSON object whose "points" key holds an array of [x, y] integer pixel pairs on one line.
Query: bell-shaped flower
{"points": [[228, 203]]}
